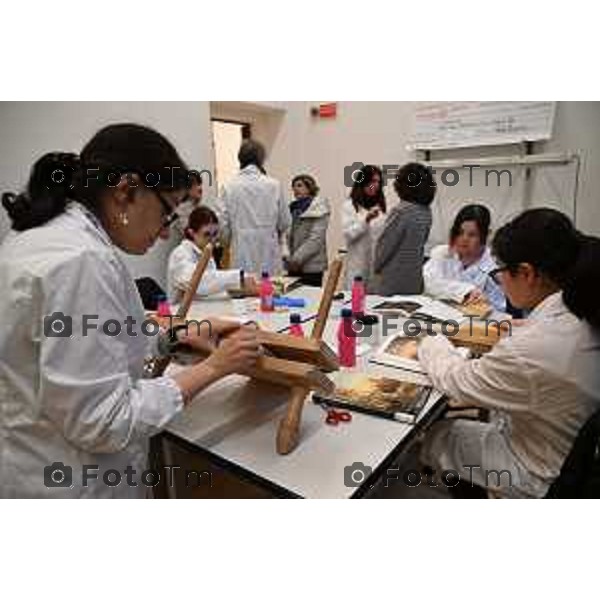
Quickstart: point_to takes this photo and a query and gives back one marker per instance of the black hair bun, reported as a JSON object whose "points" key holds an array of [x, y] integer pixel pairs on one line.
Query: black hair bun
{"points": [[51, 185]]}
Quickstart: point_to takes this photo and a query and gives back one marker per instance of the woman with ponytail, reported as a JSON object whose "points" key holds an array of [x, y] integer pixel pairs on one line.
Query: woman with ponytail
{"points": [[202, 228], [541, 382], [72, 333]]}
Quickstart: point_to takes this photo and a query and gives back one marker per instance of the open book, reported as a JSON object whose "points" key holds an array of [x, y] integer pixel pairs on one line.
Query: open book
{"points": [[419, 307], [378, 395]]}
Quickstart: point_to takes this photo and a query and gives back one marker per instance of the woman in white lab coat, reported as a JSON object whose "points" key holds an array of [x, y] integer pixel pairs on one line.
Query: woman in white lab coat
{"points": [[363, 217], [202, 228], [73, 399], [542, 382], [460, 270]]}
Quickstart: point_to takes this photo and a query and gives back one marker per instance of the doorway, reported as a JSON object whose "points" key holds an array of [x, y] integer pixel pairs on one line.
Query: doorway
{"points": [[227, 139]]}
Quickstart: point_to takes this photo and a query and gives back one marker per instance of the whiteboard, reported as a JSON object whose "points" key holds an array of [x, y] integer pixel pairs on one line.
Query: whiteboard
{"points": [[440, 125]]}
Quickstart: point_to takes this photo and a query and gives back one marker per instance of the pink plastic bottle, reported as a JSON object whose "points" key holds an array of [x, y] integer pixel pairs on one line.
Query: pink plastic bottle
{"points": [[164, 308], [266, 293], [359, 295], [296, 326], [346, 341]]}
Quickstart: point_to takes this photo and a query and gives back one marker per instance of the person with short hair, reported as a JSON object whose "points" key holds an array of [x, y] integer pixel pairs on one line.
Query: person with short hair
{"points": [[400, 249], [254, 215], [459, 270], [308, 233], [202, 227]]}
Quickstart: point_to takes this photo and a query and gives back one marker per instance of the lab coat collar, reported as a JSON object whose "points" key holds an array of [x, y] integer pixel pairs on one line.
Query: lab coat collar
{"points": [[83, 214], [252, 171], [551, 306], [192, 247]]}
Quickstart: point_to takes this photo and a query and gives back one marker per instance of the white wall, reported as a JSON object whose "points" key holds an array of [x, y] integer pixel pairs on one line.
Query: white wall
{"points": [[29, 129]]}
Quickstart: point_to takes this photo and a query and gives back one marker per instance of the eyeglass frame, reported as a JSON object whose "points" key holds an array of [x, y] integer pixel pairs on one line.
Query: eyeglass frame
{"points": [[170, 214]]}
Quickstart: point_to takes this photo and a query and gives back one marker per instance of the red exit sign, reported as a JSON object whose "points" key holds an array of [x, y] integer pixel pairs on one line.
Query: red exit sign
{"points": [[325, 111]]}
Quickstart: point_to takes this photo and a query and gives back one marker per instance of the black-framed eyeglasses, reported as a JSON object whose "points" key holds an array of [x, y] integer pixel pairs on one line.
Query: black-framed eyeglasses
{"points": [[169, 213], [493, 274]]}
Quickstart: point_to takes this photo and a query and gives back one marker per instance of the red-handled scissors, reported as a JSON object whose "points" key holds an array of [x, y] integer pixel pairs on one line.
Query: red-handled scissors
{"points": [[335, 417]]}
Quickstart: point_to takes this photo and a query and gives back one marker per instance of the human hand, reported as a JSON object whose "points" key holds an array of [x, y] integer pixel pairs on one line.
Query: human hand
{"points": [[251, 286], [473, 296], [373, 213], [237, 353]]}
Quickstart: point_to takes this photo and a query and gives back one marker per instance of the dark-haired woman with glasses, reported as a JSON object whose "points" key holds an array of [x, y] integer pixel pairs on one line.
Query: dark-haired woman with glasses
{"points": [[73, 333], [202, 228]]}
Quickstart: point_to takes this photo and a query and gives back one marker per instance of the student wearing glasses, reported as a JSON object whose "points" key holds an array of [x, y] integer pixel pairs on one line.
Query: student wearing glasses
{"points": [[202, 228], [72, 344], [541, 383], [460, 270]]}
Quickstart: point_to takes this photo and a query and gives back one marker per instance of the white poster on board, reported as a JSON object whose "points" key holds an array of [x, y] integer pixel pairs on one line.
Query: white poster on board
{"points": [[440, 125]]}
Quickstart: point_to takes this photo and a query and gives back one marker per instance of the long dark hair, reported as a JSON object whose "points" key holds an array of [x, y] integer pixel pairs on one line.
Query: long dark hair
{"points": [[477, 213], [362, 180], [58, 177], [546, 239]]}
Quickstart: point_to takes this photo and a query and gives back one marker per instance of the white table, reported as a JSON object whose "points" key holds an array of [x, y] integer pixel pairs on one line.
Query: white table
{"points": [[235, 423]]}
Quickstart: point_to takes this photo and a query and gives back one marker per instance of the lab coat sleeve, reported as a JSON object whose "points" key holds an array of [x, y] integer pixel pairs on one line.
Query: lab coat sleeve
{"points": [[85, 386], [354, 224], [220, 206], [437, 284], [213, 281], [314, 242], [500, 379], [284, 217], [389, 240]]}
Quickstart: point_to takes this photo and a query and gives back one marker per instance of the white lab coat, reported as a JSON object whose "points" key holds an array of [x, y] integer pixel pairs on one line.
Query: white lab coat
{"points": [[542, 383], [182, 263], [254, 217], [445, 277], [78, 400], [360, 238]]}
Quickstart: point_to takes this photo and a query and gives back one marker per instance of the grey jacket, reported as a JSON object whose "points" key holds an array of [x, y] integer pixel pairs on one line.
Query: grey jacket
{"points": [[308, 238], [400, 250]]}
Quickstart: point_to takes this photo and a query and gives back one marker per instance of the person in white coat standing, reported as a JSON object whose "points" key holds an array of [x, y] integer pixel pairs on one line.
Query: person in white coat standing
{"points": [[76, 412], [254, 214], [363, 217], [460, 270], [542, 382], [202, 227]]}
